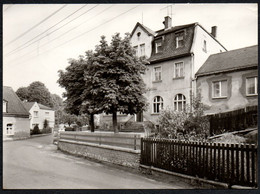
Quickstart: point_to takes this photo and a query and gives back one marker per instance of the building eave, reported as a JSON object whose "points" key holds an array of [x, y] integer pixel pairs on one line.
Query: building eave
{"points": [[169, 58]]}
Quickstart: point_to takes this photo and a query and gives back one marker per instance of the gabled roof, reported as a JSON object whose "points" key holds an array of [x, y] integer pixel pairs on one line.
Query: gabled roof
{"points": [[146, 29], [230, 61], [29, 105], [44, 107], [168, 38], [14, 104]]}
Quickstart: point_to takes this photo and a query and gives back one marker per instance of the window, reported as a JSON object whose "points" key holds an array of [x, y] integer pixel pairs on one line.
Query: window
{"points": [[158, 47], [220, 89], [179, 70], [4, 106], [179, 41], [204, 48], [157, 104], [9, 129], [142, 49], [179, 102], [136, 50], [157, 74], [251, 86], [35, 113]]}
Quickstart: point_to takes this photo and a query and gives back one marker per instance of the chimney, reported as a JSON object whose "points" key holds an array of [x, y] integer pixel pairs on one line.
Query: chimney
{"points": [[214, 31], [167, 22]]}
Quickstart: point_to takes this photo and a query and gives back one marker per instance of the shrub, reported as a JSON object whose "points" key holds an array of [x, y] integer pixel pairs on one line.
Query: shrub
{"points": [[46, 130], [45, 123], [69, 129], [35, 130]]}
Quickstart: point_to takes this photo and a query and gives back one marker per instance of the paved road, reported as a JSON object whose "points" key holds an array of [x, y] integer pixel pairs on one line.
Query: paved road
{"points": [[36, 163]]}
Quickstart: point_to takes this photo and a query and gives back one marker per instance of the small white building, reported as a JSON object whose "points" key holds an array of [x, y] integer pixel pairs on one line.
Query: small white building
{"points": [[15, 117], [38, 113]]}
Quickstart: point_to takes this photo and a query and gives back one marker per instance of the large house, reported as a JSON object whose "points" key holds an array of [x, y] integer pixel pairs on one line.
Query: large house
{"points": [[175, 54], [229, 80], [16, 123], [39, 113]]}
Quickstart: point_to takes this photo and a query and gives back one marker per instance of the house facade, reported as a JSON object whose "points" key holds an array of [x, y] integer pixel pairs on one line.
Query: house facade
{"points": [[38, 113], [16, 123], [228, 81], [176, 53]]}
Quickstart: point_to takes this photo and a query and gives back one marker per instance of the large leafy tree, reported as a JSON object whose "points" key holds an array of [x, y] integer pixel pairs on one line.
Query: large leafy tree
{"points": [[107, 80], [35, 92], [113, 78]]}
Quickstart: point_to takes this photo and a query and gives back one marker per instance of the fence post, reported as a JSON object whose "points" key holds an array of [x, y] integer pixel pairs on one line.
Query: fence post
{"points": [[134, 142]]}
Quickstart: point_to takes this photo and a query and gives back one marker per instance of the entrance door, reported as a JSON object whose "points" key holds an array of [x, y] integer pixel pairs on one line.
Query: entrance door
{"points": [[139, 117]]}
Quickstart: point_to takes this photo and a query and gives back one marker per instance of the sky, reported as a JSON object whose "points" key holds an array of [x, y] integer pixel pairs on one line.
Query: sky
{"points": [[38, 39]]}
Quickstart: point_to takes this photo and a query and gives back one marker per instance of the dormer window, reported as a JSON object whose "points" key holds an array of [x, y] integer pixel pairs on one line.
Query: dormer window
{"points": [[179, 40], [158, 47]]}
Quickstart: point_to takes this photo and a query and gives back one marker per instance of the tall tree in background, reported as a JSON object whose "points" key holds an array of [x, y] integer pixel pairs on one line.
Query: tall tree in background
{"points": [[23, 93], [36, 92]]}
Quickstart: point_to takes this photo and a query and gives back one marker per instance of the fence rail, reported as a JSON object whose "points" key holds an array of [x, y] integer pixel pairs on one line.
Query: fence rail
{"points": [[233, 120], [120, 140], [234, 164]]}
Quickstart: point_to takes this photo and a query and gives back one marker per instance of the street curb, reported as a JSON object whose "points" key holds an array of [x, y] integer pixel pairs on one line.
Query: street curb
{"points": [[190, 179], [40, 135]]}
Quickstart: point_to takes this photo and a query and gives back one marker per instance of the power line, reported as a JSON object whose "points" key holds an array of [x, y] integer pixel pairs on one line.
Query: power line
{"points": [[21, 47], [85, 32], [21, 35], [66, 31]]}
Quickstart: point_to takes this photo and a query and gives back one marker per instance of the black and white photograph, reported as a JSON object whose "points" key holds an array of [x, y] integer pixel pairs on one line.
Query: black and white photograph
{"points": [[130, 96]]}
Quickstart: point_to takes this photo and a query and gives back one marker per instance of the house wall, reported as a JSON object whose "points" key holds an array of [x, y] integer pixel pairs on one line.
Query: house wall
{"points": [[197, 48], [236, 97], [144, 38], [21, 127], [169, 87], [41, 117]]}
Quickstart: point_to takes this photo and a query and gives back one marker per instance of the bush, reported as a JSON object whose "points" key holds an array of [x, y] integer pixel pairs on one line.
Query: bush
{"points": [[35, 130], [46, 130], [69, 129], [45, 123]]}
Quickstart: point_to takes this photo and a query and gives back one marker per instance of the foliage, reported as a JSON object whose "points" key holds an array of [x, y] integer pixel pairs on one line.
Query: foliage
{"points": [[57, 102], [35, 130], [46, 130], [35, 92], [23, 93], [185, 125], [107, 80], [45, 123], [230, 139], [171, 123]]}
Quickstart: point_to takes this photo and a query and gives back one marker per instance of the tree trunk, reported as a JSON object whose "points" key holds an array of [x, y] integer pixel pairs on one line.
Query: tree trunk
{"points": [[115, 122], [91, 123]]}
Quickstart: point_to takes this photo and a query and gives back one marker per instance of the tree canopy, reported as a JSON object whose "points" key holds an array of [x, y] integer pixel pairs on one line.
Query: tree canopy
{"points": [[107, 80], [35, 92]]}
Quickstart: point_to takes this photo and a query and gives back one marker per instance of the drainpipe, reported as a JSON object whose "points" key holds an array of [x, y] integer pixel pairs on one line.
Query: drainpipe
{"points": [[192, 80]]}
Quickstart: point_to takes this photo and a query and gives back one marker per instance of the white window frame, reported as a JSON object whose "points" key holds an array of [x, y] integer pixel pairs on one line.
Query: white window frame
{"points": [[8, 129], [220, 89], [157, 105], [35, 114], [142, 49], [4, 106], [157, 44], [179, 37], [178, 70], [160, 73], [256, 83], [177, 100]]}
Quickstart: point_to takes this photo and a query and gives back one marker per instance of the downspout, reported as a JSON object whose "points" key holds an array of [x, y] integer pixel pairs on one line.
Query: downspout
{"points": [[192, 92]]}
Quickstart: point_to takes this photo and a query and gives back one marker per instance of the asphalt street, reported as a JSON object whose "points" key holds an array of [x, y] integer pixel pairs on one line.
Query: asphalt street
{"points": [[36, 163]]}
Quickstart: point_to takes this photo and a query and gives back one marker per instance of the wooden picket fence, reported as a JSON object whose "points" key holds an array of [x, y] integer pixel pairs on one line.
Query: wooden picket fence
{"points": [[233, 120], [235, 164]]}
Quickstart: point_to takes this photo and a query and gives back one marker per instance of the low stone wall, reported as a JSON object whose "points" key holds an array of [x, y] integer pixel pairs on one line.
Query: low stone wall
{"points": [[112, 154]]}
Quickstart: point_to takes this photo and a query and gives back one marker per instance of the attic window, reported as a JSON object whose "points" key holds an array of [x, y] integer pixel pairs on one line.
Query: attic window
{"points": [[158, 47], [179, 40], [139, 34]]}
